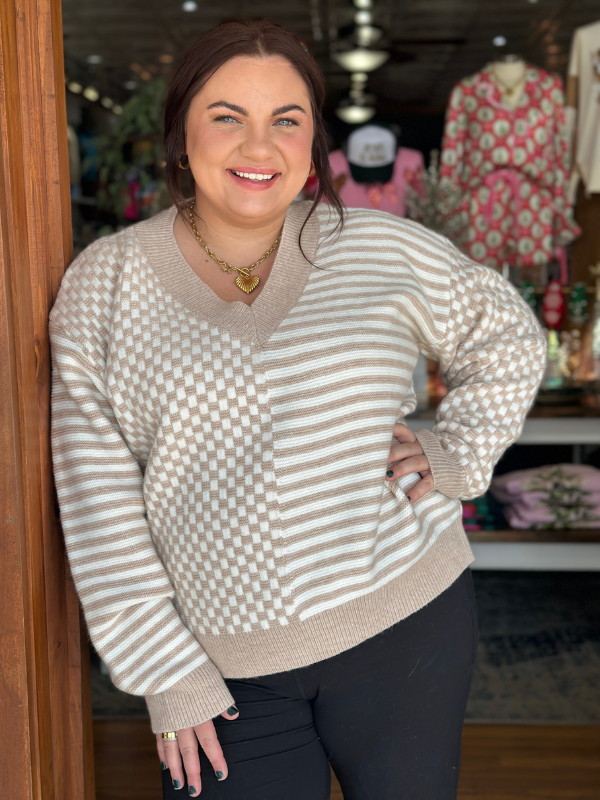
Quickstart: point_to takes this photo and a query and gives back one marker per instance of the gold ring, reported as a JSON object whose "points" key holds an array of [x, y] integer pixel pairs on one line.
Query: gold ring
{"points": [[169, 736]]}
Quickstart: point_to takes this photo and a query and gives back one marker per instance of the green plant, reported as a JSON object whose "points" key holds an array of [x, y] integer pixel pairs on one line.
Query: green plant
{"points": [[436, 202], [132, 154]]}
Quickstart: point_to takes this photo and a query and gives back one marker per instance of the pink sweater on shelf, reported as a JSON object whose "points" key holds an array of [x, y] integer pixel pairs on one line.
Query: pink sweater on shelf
{"points": [[535, 483], [555, 496]]}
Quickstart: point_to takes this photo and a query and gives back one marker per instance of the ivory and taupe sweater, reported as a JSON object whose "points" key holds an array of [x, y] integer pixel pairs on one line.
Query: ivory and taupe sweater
{"points": [[221, 468]]}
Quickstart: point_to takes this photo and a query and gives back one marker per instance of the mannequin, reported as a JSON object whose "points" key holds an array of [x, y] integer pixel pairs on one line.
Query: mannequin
{"points": [[505, 148], [372, 174], [509, 74]]}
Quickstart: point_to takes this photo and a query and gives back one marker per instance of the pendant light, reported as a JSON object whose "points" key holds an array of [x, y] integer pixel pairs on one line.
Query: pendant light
{"points": [[360, 59]]}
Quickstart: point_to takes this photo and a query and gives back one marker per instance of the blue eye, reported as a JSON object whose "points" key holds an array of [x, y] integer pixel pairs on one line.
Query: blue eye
{"points": [[287, 123], [225, 118]]}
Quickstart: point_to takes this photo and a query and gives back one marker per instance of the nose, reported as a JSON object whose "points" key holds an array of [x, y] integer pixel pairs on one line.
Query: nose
{"points": [[258, 145]]}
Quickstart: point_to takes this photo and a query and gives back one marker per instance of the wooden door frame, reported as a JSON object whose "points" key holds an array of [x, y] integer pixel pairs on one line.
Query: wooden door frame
{"points": [[45, 706]]}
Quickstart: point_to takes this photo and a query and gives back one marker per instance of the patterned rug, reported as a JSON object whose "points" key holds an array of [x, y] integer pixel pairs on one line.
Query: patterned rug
{"points": [[539, 651], [538, 658]]}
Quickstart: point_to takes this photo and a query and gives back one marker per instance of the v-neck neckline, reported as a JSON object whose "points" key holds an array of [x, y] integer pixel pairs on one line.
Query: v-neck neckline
{"points": [[282, 290]]}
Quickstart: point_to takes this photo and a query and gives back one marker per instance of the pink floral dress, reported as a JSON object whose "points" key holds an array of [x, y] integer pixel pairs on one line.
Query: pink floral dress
{"points": [[512, 166]]}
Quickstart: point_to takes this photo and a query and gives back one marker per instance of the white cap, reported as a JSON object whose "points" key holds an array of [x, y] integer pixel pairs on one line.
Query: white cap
{"points": [[371, 146]]}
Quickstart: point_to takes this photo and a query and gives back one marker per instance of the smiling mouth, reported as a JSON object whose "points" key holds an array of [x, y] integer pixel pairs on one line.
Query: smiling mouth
{"points": [[254, 176]]}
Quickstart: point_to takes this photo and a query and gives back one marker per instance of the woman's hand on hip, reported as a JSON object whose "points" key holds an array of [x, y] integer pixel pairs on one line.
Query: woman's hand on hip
{"points": [[186, 747], [407, 456]]}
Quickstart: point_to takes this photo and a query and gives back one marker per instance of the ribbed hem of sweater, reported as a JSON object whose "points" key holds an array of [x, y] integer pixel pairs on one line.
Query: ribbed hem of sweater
{"points": [[203, 694], [198, 697], [449, 477], [352, 622]]}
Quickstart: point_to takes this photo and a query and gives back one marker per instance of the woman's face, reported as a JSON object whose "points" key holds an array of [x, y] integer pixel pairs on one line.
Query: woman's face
{"points": [[252, 118]]}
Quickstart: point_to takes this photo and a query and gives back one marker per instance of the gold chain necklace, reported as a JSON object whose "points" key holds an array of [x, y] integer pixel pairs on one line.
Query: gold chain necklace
{"points": [[244, 281], [508, 90]]}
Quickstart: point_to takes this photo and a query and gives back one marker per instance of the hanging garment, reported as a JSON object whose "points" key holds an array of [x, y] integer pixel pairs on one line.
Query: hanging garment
{"points": [[583, 103], [584, 95], [380, 196], [512, 166]]}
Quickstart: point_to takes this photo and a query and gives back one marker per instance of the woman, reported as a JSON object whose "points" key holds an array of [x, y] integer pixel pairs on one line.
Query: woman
{"points": [[261, 547]]}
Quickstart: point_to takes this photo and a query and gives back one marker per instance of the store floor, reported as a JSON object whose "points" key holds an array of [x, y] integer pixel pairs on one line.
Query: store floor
{"points": [[500, 762], [538, 658], [539, 650]]}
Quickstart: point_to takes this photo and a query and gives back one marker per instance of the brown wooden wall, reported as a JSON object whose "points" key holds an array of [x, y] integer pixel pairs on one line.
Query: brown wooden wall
{"points": [[44, 678]]}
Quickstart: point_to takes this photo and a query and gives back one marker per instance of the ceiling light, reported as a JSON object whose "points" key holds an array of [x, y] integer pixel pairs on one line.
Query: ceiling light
{"points": [[166, 58], [367, 35], [145, 75], [499, 41], [117, 109], [107, 102], [363, 3], [533, 1], [75, 87], [356, 93], [90, 93], [190, 5], [354, 114], [363, 18], [130, 85], [94, 59], [360, 59], [359, 77]]}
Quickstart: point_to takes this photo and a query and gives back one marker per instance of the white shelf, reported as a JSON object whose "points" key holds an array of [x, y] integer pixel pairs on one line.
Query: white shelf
{"points": [[543, 556], [541, 430], [547, 556]]}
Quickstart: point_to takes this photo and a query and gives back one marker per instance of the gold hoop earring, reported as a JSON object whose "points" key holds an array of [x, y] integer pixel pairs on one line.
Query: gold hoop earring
{"points": [[184, 162]]}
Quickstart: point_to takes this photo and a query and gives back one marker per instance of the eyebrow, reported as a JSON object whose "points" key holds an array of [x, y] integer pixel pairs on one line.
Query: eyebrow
{"points": [[239, 110], [284, 109], [230, 106]]}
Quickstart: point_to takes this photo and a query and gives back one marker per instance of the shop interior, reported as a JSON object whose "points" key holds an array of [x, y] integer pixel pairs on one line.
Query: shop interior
{"points": [[480, 120]]}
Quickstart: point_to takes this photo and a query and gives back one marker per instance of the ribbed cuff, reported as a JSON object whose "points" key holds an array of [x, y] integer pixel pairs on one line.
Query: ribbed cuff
{"points": [[449, 477], [200, 696]]}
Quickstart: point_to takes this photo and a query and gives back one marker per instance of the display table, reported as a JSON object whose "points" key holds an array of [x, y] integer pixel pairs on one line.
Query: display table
{"points": [[562, 550]]}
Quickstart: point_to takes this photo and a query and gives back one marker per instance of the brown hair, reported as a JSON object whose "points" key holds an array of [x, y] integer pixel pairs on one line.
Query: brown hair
{"points": [[255, 38]]}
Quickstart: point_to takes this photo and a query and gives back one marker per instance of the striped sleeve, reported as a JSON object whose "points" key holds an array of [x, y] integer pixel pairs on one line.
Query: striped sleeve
{"points": [[124, 590], [491, 351]]}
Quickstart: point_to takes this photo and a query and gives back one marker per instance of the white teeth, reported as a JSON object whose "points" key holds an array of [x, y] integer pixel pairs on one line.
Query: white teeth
{"points": [[253, 176]]}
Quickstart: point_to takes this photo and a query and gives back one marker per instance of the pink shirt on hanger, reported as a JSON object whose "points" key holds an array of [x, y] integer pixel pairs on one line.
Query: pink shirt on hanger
{"points": [[383, 197]]}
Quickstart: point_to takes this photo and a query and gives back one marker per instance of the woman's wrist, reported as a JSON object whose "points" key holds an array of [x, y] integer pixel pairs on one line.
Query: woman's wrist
{"points": [[449, 477], [199, 696]]}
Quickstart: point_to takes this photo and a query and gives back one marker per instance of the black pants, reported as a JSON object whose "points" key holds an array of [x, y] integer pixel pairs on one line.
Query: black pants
{"points": [[387, 714]]}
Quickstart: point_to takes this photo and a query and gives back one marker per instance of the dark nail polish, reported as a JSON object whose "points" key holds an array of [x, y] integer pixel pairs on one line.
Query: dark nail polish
{"points": [[389, 473], [232, 710], [163, 765], [192, 790], [408, 497], [219, 775], [176, 784]]}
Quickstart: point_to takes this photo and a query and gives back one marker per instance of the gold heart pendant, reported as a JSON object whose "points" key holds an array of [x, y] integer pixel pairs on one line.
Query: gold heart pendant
{"points": [[247, 283]]}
